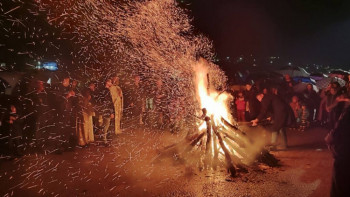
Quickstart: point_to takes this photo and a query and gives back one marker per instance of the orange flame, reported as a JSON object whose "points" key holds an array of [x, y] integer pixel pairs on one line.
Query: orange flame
{"points": [[216, 103]]}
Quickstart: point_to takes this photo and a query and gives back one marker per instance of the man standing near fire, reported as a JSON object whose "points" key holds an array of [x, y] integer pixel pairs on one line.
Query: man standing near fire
{"points": [[106, 109], [117, 99], [280, 117]]}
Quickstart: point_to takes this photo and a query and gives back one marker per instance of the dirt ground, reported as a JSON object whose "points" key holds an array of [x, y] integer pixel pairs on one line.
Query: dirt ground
{"points": [[126, 169]]}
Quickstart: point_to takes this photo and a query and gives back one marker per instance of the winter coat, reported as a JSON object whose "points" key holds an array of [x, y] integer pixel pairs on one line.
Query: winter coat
{"points": [[253, 103], [241, 104], [338, 139], [282, 114]]}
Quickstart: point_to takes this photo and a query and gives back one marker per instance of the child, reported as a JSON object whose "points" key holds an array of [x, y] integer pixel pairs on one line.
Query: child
{"points": [[304, 115], [241, 107]]}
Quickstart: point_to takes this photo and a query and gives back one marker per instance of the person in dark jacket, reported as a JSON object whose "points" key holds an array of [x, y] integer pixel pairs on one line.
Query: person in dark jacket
{"points": [[12, 127], [286, 89], [312, 100], [62, 96], [40, 109], [106, 109], [331, 107], [252, 103], [338, 142], [280, 116]]}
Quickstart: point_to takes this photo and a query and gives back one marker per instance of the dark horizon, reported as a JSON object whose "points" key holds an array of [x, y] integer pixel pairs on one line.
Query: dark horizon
{"points": [[302, 32]]}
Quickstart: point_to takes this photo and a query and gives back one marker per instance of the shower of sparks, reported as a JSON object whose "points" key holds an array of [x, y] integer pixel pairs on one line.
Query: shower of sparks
{"points": [[92, 40], [153, 39]]}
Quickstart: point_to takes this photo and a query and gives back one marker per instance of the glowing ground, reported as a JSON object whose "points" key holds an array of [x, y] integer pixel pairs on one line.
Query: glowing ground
{"points": [[124, 169]]}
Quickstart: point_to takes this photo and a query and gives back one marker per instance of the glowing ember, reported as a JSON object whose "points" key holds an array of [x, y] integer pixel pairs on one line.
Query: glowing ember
{"points": [[153, 39]]}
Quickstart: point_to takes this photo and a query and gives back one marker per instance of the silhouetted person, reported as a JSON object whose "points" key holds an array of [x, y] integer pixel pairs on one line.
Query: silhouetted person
{"points": [[106, 109], [338, 141], [331, 104], [63, 93], [41, 108], [280, 116], [135, 101], [286, 89], [11, 126], [91, 91], [252, 102], [312, 100]]}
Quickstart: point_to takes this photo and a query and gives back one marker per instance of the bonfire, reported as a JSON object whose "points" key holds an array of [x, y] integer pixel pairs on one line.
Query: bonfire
{"points": [[218, 140]]}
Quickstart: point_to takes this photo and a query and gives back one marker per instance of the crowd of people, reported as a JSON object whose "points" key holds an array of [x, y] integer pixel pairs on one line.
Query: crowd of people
{"points": [[59, 117], [288, 108]]}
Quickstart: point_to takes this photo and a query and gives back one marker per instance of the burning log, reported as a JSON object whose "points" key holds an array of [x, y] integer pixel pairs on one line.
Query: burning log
{"points": [[236, 148], [237, 140], [208, 152], [229, 163], [232, 126], [194, 142], [216, 152], [181, 148], [230, 142]]}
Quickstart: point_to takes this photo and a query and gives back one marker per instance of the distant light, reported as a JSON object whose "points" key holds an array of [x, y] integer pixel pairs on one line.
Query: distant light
{"points": [[50, 66], [271, 62], [290, 63], [228, 57]]}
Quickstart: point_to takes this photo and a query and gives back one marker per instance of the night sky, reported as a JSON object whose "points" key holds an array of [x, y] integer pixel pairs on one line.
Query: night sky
{"points": [[301, 31]]}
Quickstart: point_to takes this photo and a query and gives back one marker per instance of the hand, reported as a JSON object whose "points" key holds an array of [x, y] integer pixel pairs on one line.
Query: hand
{"points": [[112, 116], [254, 122], [269, 118]]}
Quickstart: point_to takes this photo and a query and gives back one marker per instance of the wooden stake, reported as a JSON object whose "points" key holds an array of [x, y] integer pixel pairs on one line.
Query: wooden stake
{"points": [[229, 163]]}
